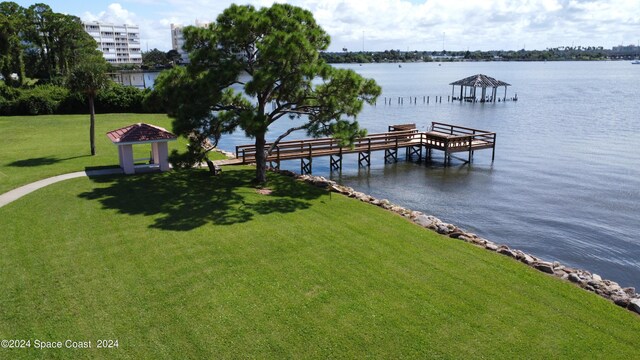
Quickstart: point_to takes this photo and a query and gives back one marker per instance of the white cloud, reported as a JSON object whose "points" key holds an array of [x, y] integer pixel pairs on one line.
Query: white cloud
{"points": [[115, 13], [401, 24]]}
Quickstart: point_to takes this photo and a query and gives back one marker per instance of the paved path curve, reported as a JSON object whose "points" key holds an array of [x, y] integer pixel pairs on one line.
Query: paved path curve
{"points": [[17, 193]]}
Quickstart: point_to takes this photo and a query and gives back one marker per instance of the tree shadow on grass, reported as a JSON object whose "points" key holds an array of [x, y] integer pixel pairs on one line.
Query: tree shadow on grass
{"points": [[185, 200], [41, 161]]}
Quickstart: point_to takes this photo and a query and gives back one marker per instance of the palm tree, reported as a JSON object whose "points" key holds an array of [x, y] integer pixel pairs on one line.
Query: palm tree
{"points": [[89, 77]]}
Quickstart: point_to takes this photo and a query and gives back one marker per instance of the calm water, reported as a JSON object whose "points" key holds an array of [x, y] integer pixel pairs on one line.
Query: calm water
{"points": [[565, 184]]}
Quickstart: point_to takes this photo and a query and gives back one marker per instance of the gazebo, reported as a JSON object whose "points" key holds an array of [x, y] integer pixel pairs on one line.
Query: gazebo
{"points": [[137, 134], [478, 81]]}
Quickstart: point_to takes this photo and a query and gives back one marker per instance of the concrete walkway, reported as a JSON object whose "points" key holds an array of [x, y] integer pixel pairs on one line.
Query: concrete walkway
{"points": [[17, 193]]}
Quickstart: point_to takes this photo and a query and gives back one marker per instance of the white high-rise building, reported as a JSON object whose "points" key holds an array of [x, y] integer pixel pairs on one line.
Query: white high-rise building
{"points": [[119, 44], [177, 39]]}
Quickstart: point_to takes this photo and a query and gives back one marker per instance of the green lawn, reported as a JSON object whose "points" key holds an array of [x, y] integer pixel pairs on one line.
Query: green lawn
{"points": [[181, 265], [37, 147]]}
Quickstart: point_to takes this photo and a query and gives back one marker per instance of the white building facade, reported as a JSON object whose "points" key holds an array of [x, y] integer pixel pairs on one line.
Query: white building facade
{"points": [[119, 44], [177, 39]]}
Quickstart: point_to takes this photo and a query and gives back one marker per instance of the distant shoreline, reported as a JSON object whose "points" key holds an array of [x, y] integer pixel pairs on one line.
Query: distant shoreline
{"points": [[555, 54]]}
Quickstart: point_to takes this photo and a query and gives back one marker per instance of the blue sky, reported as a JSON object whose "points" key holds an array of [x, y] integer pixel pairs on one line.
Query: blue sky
{"points": [[402, 24]]}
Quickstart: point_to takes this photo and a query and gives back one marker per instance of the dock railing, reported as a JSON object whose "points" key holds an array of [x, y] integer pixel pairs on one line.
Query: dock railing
{"points": [[445, 137], [296, 149], [453, 138]]}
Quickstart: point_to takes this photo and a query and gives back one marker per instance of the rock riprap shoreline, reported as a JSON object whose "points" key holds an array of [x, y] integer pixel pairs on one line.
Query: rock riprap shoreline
{"points": [[623, 297]]}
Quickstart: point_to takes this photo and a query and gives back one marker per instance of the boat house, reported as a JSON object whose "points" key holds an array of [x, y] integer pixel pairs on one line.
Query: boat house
{"points": [[469, 85]]}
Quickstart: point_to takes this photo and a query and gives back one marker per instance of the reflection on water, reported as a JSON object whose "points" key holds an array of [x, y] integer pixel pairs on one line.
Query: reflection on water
{"points": [[565, 184]]}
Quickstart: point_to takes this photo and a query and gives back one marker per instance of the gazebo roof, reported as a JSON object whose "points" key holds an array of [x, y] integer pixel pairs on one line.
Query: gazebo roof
{"points": [[140, 133], [480, 80]]}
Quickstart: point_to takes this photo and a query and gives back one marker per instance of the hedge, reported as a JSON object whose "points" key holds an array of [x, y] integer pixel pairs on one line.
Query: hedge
{"points": [[54, 99]]}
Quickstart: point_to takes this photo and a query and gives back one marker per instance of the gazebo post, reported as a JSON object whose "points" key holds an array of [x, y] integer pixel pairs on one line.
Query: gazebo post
{"points": [[120, 155], [126, 161], [505, 94], [154, 153], [461, 88], [453, 89], [163, 155]]}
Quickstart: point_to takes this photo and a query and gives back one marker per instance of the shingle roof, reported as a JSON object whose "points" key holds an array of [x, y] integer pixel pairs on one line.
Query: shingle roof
{"points": [[480, 80], [139, 132]]}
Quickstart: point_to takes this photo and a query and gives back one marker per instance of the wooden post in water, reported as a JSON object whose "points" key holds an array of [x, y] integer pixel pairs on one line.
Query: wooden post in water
{"points": [[493, 149]]}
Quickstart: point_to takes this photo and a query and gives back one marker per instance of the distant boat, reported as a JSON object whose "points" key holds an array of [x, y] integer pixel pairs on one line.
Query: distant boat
{"points": [[399, 65], [636, 62]]}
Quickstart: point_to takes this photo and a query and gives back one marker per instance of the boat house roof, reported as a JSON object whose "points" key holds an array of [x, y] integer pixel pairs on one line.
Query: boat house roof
{"points": [[480, 80], [140, 133]]}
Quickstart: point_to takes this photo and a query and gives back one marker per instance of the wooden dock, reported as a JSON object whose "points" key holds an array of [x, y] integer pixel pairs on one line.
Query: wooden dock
{"points": [[447, 138]]}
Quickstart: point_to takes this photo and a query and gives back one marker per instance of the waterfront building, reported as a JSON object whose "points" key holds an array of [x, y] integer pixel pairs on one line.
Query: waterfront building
{"points": [[119, 44], [177, 39]]}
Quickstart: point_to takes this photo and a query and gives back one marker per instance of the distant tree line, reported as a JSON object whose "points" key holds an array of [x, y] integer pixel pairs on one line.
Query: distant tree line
{"points": [[50, 65], [568, 53]]}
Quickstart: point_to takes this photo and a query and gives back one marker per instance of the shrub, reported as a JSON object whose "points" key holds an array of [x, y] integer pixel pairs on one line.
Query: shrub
{"points": [[41, 100], [119, 98]]}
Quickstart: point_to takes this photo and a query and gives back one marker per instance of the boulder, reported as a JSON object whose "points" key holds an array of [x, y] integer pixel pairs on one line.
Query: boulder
{"points": [[574, 278], [490, 246], [443, 229], [634, 305], [629, 290], [544, 266], [506, 251], [527, 259], [621, 301], [594, 284], [424, 220], [560, 273], [596, 277]]}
